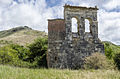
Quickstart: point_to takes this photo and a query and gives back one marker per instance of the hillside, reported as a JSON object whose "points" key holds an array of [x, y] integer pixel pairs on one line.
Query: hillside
{"points": [[111, 49], [115, 48], [20, 35]]}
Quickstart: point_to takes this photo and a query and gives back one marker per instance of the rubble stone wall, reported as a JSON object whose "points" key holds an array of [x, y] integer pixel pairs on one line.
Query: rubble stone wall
{"points": [[67, 49]]}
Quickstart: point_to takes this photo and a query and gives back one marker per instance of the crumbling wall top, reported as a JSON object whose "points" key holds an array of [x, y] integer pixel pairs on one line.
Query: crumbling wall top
{"points": [[69, 6], [55, 19]]}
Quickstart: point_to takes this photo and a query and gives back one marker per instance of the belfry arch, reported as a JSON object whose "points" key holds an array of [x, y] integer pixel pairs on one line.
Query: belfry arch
{"points": [[74, 25], [87, 25], [80, 14]]}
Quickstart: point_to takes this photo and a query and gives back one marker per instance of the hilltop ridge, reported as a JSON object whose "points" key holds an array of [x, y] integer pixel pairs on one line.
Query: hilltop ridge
{"points": [[13, 30], [20, 35]]}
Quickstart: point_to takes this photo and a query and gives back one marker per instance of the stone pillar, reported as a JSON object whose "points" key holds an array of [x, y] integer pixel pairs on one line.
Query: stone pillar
{"points": [[95, 29], [68, 26], [81, 28]]}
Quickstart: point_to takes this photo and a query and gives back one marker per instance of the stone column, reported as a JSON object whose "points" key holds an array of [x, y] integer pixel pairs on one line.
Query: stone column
{"points": [[95, 29], [81, 28]]}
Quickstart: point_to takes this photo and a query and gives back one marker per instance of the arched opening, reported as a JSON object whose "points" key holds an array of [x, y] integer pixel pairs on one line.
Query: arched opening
{"points": [[87, 25], [74, 25]]}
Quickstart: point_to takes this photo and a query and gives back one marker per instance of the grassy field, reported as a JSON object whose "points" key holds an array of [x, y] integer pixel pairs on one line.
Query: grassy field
{"points": [[7, 72]]}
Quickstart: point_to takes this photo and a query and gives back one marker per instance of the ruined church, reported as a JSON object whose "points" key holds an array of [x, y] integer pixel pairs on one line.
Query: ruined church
{"points": [[67, 49]]}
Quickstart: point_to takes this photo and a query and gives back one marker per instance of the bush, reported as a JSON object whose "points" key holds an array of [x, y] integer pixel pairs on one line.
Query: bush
{"points": [[38, 51], [22, 52], [14, 55], [20, 63], [97, 61], [108, 51], [7, 55], [33, 56], [117, 60]]}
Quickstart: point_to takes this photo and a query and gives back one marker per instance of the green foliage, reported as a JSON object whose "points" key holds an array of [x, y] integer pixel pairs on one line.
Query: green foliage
{"points": [[7, 55], [32, 56], [112, 53], [22, 52], [111, 49], [14, 55], [38, 51], [117, 60], [108, 51], [97, 61]]}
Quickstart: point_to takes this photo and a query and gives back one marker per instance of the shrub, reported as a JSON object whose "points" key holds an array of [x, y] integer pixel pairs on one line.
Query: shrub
{"points": [[117, 60], [33, 56], [38, 51], [14, 55], [20, 63], [97, 61], [108, 51], [22, 52], [7, 55]]}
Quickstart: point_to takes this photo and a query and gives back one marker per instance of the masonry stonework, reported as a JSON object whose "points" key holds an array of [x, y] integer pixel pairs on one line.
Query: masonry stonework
{"points": [[67, 49]]}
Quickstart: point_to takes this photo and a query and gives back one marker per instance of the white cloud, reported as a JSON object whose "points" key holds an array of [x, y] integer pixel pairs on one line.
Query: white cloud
{"points": [[109, 26], [112, 4], [5, 2], [34, 16]]}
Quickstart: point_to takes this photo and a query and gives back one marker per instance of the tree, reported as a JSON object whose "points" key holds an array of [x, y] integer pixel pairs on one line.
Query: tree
{"points": [[38, 51]]}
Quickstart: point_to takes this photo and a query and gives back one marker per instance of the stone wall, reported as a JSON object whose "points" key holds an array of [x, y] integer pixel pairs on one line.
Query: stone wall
{"points": [[67, 49]]}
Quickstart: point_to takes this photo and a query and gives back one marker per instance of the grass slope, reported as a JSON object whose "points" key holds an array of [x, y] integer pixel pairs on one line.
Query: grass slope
{"points": [[20, 35], [11, 31], [7, 72], [115, 48]]}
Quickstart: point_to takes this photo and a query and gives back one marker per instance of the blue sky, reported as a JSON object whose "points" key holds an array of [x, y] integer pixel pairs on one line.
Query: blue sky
{"points": [[52, 3], [34, 13]]}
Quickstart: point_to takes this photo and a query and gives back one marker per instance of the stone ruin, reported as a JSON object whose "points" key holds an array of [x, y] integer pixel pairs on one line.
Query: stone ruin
{"points": [[67, 49]]}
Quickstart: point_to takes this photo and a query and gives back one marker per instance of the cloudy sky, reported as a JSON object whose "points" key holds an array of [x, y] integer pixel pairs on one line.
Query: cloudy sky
{"points": [[34, 13]]}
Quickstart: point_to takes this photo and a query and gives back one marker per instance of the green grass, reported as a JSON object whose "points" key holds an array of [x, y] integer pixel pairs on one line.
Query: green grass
{"points": [[7, 72]]}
